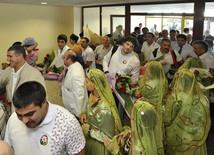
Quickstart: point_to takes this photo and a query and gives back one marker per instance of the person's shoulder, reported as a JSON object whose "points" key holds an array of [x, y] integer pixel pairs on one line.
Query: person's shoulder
{"points": [[62, 113]]}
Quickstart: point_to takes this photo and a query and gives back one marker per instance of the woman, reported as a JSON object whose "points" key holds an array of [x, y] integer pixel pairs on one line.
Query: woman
{"points": [[186, 116], [146, 135], [101, 116]]}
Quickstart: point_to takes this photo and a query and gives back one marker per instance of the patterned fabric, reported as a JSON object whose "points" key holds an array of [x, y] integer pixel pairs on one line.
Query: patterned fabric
{"points": [[32, 57], [67, 135], [186, 116]]}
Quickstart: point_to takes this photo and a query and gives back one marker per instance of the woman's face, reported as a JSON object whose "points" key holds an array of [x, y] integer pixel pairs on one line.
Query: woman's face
{"points": [[89, 84]]}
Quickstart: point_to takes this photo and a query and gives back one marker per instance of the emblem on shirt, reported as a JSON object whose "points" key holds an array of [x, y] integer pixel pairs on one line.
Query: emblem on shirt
{"points": [[124, 62], [44, 140]]}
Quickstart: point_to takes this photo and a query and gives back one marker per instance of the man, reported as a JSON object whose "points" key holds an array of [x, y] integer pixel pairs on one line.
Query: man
{"points": [[164, 36], [142, 38], [136, 32], [62, 41], [208, 35], [186, 31], [5, 148], [172, 36], [189, 39], [87, 54], [74, 91], [18, 72], [210, 46], [101, 51], [200, 48], [39, 127], [77, 48], [118, 33], [148, 47], [168, 56], [153, 29], [184, 49], [123, 61]]}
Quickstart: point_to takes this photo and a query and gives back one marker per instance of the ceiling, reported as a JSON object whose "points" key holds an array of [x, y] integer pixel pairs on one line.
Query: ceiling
{"points": [[76, 2]]}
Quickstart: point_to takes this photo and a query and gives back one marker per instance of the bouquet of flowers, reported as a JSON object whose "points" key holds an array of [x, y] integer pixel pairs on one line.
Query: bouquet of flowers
{"points": [[205, 77], [6, 104], [127, 89]]}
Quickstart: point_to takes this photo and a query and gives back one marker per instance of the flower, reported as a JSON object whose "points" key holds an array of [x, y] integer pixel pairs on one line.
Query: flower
{"points": [[139, 96], [119, 79], [45, 58], [134, 85], [3, 98], [209, 79], [122, 89], [47, 55], [196, 72], [47, 71], [6, 104], [211, 70]]}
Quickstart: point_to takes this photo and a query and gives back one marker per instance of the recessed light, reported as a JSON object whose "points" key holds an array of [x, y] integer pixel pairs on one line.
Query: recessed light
{"points": [[44, 3]]}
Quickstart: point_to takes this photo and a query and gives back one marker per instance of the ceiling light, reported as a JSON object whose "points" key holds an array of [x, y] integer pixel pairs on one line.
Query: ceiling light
{"points": [[44, 3]]}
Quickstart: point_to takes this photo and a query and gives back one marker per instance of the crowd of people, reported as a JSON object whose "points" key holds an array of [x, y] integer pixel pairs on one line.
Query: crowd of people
{"points": [[171, 117]]}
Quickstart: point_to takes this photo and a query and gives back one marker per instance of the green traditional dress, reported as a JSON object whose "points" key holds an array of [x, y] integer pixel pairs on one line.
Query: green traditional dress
{"points": [[186, 116], [103, 118], [146, 132]]}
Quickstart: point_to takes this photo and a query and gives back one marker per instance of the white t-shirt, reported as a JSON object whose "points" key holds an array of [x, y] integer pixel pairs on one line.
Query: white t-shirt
{"points": [[59, 133], [147, 50], [208, 60], [88, 55], [65, 48], [122, 64]]}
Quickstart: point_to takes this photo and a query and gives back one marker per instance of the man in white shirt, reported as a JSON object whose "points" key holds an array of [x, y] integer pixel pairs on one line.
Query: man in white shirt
{"points": [[87, 54], [200, 48], [164, 36], [39, 127], [123, 61], [148, 47], [172, 36], [74, 91], [153, 29], [184, 49], [168, 56], [62, 41]]}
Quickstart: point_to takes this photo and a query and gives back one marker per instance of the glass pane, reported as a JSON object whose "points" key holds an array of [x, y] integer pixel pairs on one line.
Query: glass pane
{"points": [[209, 7], [164, 8], [118, 21], [135, 20], [151, 21], [92, 19], [106, 12], [172, 23]]}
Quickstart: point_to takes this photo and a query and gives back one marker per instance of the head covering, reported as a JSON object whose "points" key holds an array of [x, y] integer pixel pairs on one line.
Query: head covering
{"points": [[103, 88], [193, 62], [146, 135], [29, 41], [187, 114]]}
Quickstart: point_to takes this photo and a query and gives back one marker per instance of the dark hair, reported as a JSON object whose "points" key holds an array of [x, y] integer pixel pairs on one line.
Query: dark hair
{"points": [[186, 29], [62, 37], [131, 39], [160, 34], [17, 43], [201, 44], [178, 31], [183, 36], [28, 93], [172, 31], [151, 34], [74, 37], [18, 49], [137, 29], [81, 34], [145, 28], [87, 40], [72, 57], [166, 40]]}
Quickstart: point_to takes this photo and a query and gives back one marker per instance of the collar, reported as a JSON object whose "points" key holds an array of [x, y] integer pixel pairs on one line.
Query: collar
{"points": [[204, 55], [85, 48], [18, 72], [49, 116]]}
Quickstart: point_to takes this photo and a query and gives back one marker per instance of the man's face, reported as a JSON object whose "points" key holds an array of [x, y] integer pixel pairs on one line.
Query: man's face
{"points": [[128, 47], [189, 37], [64, 58], [120, 28], [13, 59], [165, 46], [106, 41], [32, 115], [149, 38], [181, 41], [145, 31], [72, 41], [61, 44], [198, 51], [84, 44], [172, 35], [165, 33]]}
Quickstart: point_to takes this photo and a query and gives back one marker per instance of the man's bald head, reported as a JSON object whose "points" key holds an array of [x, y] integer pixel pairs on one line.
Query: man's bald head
{"points": [[5, 148]]}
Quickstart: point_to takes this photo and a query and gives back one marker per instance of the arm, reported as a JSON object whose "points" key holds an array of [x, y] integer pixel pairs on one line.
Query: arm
{"points": [[106, 60], [81, 153], [32, 47]]}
